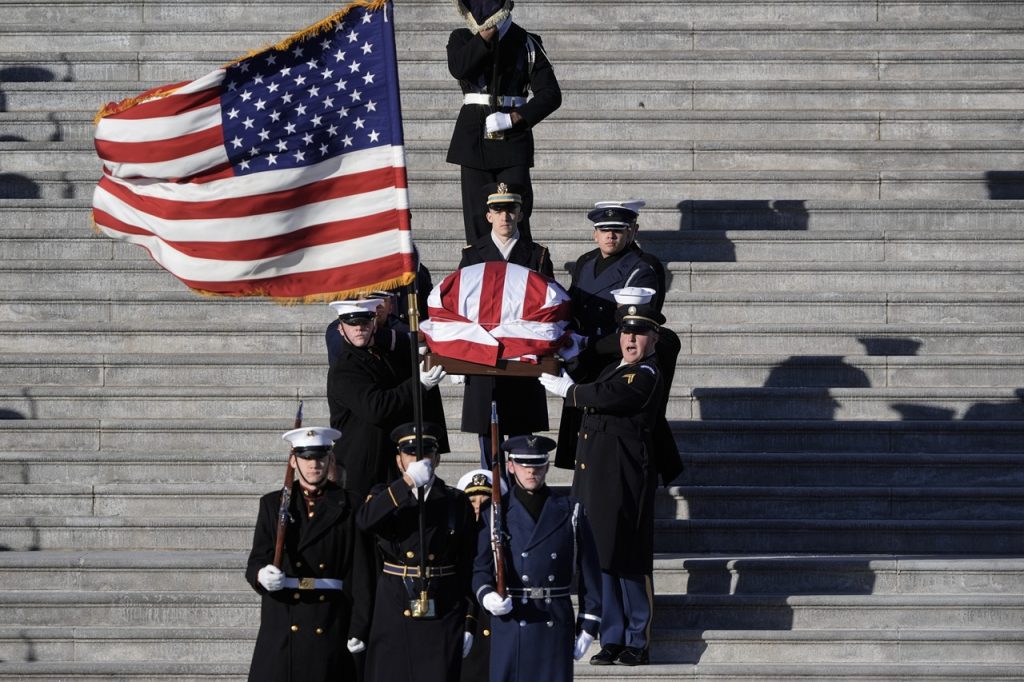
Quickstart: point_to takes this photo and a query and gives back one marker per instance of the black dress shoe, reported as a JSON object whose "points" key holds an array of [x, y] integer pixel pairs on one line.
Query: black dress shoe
{"points": [[607, 654], [631, 655]]}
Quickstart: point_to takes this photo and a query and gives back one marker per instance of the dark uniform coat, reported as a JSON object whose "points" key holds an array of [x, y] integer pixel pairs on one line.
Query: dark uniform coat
{"points": [[471, 62], [402, 647], [615, 474], [593, 306], [534, 643], [303, 633], [522, 404], [370, 392]]}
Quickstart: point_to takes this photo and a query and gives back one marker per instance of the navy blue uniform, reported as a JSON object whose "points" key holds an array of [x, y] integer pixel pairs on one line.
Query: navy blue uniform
{"points": [[535, 641], [401, 647]]}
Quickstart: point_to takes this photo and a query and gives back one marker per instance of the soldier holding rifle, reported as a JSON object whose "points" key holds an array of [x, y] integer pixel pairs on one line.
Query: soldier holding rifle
{"points": [[419, 615], [316, 595], [536, 635]]}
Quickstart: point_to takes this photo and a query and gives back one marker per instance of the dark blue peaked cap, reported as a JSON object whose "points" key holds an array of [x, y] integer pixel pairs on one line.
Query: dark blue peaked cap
{"points": [[482, 10], [528, 450]]}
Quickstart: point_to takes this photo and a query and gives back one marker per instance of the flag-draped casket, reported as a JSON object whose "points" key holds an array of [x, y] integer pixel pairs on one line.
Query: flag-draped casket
{"points": [[496, 311]]}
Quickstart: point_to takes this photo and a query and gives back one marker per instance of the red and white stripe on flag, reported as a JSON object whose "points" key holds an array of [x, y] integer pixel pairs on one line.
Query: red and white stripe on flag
{"points": [[498, 310], [282, 174]]}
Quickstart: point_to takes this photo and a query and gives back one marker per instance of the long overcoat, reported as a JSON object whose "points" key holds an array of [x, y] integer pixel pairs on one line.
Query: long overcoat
{"points": [[534, 642], [522, 404], [615, 475], [402, 647], [370, 392], [303, 633], [471, 62]]}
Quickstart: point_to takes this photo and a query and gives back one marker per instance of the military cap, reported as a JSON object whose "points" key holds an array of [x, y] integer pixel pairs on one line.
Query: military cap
{"points": [[639, 318], [500, 194], [311, 442], [478, 482], [633, 295], [615, 215], [404, 437], [528, 450], [364, 308], [481, 14]]}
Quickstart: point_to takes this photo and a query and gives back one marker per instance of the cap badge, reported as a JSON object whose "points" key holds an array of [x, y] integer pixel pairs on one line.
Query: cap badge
{"points": [[502, 188], [310, 433], [532, 441], [609, 213], [631, 310]]}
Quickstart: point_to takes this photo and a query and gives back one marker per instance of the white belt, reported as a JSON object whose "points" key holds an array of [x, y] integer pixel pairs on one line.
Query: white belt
{"points": [[482, 98], [313, 583]]}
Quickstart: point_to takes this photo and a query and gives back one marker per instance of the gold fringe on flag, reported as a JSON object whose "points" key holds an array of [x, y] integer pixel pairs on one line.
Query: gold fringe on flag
{"points": [[326, 297]]}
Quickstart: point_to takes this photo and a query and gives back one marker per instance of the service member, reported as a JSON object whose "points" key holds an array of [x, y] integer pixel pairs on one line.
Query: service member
{"points": [[419, 622], [497, 63], [370, 391], [522, 407], [616, 474], [476, 666], [536, 635], [316, 604]]}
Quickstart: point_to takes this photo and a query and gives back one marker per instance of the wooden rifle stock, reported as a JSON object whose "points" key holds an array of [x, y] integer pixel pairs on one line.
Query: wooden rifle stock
{"points": [[286, 499], [497, 519]]}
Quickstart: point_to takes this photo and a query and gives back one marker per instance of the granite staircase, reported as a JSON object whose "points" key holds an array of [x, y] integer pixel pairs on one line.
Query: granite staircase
{"points": [[836, 189]]}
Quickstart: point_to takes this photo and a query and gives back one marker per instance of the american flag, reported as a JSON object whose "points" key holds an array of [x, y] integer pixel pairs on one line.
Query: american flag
{"points": [[496, 310], [282, 174]]}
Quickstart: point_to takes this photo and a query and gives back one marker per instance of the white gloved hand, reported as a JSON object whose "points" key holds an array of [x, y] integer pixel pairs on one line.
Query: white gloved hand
{"points": [[420, 472], [467, 643], [498, 121], [574, 348], [457, 379], [355, 645], [432, 377], [495, 604], [271, 577], [583, 642], [559, 385]]}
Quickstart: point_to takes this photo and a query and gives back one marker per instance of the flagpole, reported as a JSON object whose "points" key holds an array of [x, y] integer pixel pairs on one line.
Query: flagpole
{"points": [[421, 608]]}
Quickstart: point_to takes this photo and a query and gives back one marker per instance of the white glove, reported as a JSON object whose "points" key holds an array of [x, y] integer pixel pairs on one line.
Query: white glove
{"points": [[583, 642], [433, 377], [574, 348], [355, 645], [495, 604], [420, 472], [457, 379], [559, 385], [467, 643], [498, 121], [271, 577]]}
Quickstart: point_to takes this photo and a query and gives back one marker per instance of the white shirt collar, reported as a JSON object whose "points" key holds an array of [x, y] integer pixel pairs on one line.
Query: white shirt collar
{"points": [[506, 248]]}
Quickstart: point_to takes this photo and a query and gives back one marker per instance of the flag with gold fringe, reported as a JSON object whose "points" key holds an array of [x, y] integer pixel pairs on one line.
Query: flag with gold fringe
{"points": [[281, 174]]}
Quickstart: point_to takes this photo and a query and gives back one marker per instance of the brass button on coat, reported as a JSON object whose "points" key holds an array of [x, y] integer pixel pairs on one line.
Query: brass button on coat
{"points": [[319, 631], [295, 628], [410, 554]]}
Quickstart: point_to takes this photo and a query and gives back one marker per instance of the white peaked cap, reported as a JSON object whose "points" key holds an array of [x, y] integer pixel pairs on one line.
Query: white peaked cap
{"points": [[633, 295], [363, 305], [468, 477], [312, 437]]}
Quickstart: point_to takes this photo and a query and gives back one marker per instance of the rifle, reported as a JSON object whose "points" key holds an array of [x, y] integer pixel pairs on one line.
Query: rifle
{"points": [[286, 498], [497, 521]]}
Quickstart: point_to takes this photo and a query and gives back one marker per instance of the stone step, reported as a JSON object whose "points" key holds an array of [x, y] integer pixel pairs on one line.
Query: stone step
{"points": [[697, 339], [689, 277], [570, 65], [710, 95], [573, 155], [546, 12], [861, 468], [655, 672], [696, 308], [841, 503], [199, 369], [221, 571]]}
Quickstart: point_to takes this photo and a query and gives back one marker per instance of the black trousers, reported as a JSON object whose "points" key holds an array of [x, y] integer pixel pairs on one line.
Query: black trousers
{"points": [[474, 198]]}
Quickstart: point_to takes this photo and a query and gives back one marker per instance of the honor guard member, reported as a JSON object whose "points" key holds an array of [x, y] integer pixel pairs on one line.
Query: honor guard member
{"points": [[370, 391], [419, 622], [476, 665], [616, 470], [536, 635], [614, 264], [522, 407], [497, 63], [316, 605]]}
